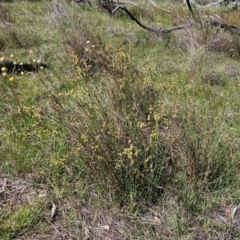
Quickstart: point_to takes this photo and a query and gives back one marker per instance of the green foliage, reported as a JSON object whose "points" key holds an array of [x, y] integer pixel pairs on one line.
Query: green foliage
{"points": [[178, 226], [25, 219]]}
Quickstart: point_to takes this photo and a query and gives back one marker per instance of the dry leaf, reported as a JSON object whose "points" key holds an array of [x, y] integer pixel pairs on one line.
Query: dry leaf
{"points": [[4, 186], [227, 211], [105, 227], [87, 233], [223, 219], [53, 211], [42, 194], [157, 220], [233, 212]]}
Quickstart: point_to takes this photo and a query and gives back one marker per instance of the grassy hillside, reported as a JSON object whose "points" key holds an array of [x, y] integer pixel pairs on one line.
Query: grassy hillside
{"points": [[109, 131]]}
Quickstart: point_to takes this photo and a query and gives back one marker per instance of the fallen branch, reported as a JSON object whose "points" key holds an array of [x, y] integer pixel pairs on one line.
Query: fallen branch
{"points": [[217, 22], [194, 16], [182, 26], [136, 20], [213, 37], [190, 9], [129, 3], [112, 6], [163, 9], [158, 32], [211, 4]]}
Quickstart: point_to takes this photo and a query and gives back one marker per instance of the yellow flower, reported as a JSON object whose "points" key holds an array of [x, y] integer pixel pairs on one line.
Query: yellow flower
{"points": [[22, 73], [11, 79], [4, 74], [39, 61], [4, 69], [21, 63], [2, 59], [34, 60], [12, 55]]}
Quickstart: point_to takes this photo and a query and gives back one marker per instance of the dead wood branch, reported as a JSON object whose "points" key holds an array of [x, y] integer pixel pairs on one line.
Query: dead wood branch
{"points": [[115, 6], [128, 3], [205, 6], [219, 23], [158, 32], [164, 10], [193, 14], [136, 20], [190, 8], [179, 27]]}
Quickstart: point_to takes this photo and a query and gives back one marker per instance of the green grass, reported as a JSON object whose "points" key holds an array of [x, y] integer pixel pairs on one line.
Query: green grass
{"points": [[122, 129], [26, 219]]}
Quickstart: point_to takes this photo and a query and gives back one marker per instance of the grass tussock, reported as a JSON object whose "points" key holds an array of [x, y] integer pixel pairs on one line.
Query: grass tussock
{"points": [[21, 221], [89, 56], [3, 12], [123, 117]]}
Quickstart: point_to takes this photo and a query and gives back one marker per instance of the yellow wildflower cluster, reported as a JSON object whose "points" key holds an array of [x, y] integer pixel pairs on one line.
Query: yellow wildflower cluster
{"points": [[59, 161], [120, 61], [13, 64], [84, 138], [4, 69], [34, 112], [42, 131], [141, 125], [70, 93], [147, 83], [75, 59], [130, 152], [122, 82]]}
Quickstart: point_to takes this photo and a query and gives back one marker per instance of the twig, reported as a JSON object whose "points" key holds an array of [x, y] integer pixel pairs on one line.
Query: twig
{"points": [[176, 28], [115, 9], [163, 9], [123, 3], [213, 37], [205, 6]]}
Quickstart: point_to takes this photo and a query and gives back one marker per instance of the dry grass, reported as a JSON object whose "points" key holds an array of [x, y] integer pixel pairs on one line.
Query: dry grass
{"points": [[3, 14]]}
